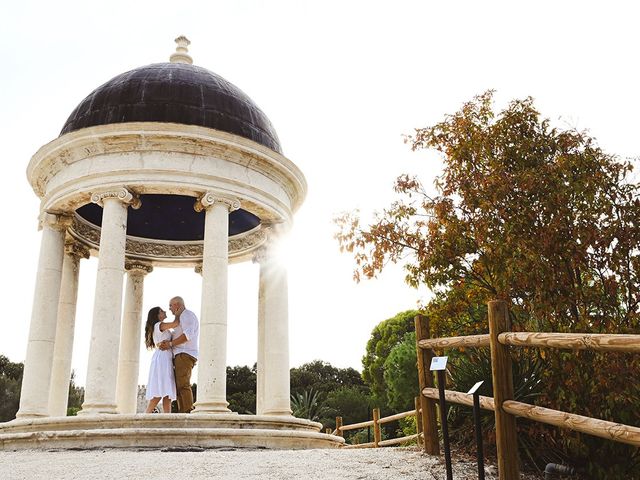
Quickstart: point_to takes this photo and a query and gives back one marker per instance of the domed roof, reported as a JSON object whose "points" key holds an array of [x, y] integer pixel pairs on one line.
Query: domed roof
{"points": [[174, 93]]}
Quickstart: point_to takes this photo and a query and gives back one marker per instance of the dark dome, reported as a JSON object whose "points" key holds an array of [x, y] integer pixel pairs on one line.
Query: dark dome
{"points": [[174, 93]]}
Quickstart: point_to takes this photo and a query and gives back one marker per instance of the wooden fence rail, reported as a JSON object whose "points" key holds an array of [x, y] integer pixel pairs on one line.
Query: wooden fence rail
{"points": [[460, 398], [574, 341], [455, 342], [617, 432], [377, 433], [355, 426], [505, 408]]}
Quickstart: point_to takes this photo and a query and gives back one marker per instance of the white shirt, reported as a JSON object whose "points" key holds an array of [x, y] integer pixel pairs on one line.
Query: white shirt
{"points": [[158, 335], [191, 328]]}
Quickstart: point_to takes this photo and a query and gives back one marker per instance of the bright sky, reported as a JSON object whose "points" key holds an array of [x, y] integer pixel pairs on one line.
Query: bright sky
{"points": [[341, 82]]}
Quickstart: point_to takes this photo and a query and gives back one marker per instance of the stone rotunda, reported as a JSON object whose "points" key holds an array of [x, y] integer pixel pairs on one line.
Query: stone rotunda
{"points": [[166, 165]]}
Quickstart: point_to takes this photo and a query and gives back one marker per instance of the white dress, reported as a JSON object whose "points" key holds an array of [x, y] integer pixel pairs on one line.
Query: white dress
{"points": [[161, 380]]}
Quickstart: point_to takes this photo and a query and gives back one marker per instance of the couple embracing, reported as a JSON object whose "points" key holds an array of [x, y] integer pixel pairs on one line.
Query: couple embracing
{"points": [[176, 344]]}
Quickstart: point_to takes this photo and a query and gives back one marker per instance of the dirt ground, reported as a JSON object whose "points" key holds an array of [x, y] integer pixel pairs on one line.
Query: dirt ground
{"points": [[230, 464]]}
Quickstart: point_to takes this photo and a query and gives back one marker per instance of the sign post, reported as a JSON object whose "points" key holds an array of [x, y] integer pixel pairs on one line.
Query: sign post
{"points": [[476, 420], [439, 364]]}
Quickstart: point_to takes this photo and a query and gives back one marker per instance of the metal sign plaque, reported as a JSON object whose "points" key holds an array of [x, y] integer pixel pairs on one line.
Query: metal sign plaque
{"points": [[438, 363], [475, 387]]}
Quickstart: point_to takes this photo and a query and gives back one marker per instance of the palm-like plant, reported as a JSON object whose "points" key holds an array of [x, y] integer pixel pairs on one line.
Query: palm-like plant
{"points": [[307, 405]]}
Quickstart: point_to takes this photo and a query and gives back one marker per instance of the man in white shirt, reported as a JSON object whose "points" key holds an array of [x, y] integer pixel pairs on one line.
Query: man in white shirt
{"points": [[184, 343]]}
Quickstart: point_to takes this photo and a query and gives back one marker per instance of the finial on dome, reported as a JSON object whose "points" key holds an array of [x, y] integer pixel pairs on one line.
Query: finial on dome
{"points": [[181, 55]]}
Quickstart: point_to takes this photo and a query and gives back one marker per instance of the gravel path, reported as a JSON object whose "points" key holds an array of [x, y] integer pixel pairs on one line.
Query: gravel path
{"points": [[222, 464]]}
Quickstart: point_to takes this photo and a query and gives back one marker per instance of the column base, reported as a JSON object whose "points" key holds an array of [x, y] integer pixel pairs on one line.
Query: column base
{"points": [[281, 413], [97, 409], [26, 415], [212, 407]]}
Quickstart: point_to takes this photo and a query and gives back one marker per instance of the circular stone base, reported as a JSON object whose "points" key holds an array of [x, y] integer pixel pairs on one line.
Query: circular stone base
{"points": [[165, 430]]}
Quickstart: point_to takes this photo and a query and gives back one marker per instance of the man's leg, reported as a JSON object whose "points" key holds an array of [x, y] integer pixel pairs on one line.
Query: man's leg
{"points": [[184, 365], [175, 380]]}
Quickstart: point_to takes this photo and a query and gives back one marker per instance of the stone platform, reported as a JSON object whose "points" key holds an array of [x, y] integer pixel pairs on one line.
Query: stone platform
{"points": [[165, 430]]}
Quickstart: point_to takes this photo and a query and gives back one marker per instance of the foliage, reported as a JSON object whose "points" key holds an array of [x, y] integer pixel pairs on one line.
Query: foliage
{"points": [[384, 337], [76, 396], [340, 391], [352, 403], [307, 405], [401, 374], [605, 386], [10, 384], [526, 213], [241, 389], [322, 377], [466, 368], [542, 218], [407, 427]]}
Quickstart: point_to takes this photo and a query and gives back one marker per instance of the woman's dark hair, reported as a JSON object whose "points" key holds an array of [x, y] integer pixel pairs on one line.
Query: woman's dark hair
{"points": [[152, 319]]}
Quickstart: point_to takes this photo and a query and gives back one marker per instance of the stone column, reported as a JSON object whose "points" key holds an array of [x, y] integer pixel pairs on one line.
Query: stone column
{"points": [[212, 361], [273, 397], [102, 369], [130, 340], [63, 350], [259, 257], [36, 380]]}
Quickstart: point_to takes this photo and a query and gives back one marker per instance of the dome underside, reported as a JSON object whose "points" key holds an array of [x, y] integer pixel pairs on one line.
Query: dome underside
{"points": [[174, 93], [170, 218]]}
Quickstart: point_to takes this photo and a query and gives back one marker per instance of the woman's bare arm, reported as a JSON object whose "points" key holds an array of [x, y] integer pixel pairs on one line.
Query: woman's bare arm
{"points": [[167, 325]]}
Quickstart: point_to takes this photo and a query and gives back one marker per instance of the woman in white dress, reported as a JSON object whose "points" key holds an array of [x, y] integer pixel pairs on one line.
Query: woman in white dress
{"points": [[161, 384]]}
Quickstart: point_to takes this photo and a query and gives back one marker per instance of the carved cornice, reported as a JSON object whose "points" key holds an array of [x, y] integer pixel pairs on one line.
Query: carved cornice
{"points": [[138, 267], [153, 249], [54, 221], [86, 231], [76, 250], [246, 242], [170, 138], [163, 250], [211, 198], [122, 194]]}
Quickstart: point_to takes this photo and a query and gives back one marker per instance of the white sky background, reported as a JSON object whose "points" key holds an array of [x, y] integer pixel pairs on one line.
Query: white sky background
{"points": [[341, 82]]}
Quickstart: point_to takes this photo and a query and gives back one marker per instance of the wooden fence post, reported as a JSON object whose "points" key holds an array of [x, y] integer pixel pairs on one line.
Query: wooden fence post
{"points": [[376, 427], [338, 425], [425, 379], [502, 375], [416, 403]]}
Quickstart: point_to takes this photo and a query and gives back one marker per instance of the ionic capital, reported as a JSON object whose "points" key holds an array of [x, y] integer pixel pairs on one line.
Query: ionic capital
{"points": [[54, 221], [211, 198], [123, 194], [138, 267], [76, 250], [198, 269]]}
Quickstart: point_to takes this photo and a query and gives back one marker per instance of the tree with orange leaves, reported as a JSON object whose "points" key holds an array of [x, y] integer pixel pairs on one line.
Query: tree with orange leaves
{"points": [[532, 214]]}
